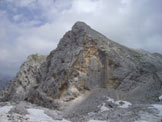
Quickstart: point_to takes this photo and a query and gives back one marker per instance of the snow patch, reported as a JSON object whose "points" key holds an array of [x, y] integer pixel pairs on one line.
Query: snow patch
{"points": [[104, 108], [160, 98], [38, 115], [120, 103], [4, 112], [159, 108], [110, 100], [123, 104], [5, 109]]}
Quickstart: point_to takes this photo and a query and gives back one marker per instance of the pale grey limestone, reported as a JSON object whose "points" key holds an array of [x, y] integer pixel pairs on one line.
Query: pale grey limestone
{"points": [[85, 60]]}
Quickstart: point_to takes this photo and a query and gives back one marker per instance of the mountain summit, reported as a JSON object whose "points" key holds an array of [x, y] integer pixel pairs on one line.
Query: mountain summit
{"points": [[86, 61]]}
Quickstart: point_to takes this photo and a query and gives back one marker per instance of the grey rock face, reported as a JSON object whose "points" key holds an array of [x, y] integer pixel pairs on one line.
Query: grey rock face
{"points": [[25, 79], [86, 60]]}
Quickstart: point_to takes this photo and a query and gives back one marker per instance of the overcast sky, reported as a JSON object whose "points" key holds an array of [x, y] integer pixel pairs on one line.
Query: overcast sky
{"points": [[35, 26]]}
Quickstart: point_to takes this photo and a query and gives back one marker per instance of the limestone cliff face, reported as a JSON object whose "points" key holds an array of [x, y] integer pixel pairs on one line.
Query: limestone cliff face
{"points": [[25, 79], [86, 60]]}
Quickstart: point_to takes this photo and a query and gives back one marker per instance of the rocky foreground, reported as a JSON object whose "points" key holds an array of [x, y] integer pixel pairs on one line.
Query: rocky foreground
{"points": [[108, 110], [87, 78]]}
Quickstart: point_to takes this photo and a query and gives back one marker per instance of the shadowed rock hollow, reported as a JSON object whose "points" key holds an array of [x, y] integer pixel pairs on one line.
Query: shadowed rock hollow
{"points": [[85, 60]]}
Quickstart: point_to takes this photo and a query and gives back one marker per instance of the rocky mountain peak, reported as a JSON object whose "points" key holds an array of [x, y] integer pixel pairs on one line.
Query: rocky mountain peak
{"points": [[80, 27], [86, 60]]}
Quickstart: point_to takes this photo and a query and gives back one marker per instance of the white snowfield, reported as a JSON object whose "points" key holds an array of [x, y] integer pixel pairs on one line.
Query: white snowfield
{"points": [[38, 115], [5, 109], [3, 113]]}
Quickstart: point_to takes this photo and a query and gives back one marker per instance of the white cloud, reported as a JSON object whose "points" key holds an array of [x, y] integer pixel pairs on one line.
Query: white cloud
{"points": [[17, 17], [21, 3], [85, 6]]}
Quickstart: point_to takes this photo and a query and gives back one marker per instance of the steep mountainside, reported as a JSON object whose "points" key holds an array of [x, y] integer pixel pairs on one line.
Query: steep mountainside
{"points": [[85, 60], [25, 79]]}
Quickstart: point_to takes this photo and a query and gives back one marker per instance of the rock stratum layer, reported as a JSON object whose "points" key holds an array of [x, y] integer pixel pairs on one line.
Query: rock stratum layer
{"points": [[85, 60]]}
